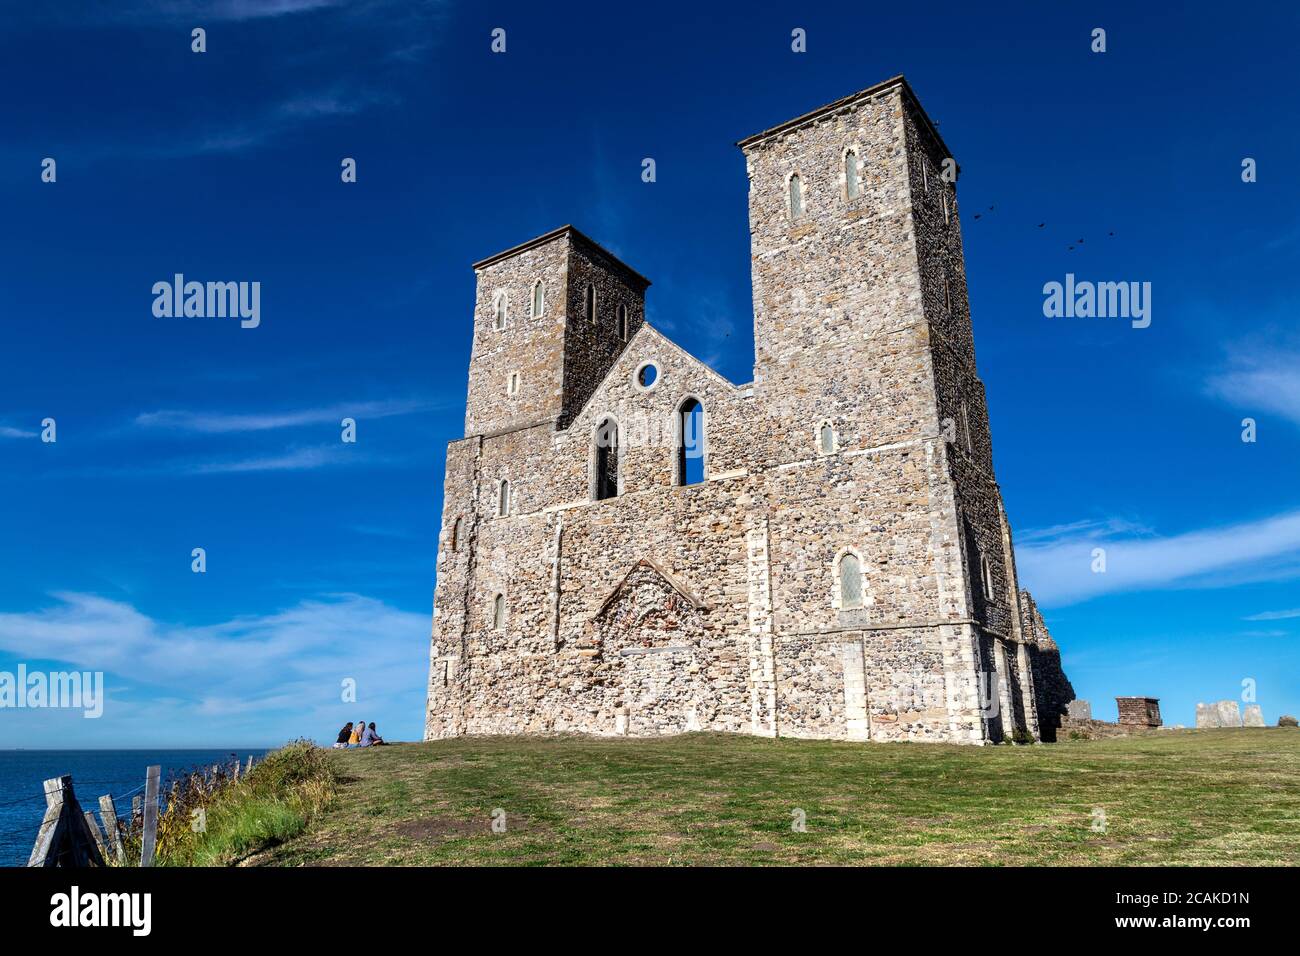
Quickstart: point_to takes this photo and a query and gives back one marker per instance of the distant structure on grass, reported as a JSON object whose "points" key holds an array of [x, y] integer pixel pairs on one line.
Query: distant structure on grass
{"points": [[1222, 713], [631, 544], [1138, 711]]}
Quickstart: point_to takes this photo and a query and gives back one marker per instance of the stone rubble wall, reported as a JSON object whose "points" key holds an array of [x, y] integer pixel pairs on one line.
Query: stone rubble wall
{"points": [[716, 606]]}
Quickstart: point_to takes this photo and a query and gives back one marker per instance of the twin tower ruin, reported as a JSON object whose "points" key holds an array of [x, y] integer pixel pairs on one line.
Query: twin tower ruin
{"points": [[631, 544]]}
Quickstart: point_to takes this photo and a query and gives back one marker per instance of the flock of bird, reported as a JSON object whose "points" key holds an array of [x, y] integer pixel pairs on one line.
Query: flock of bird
{"points": [[1041, 225]]}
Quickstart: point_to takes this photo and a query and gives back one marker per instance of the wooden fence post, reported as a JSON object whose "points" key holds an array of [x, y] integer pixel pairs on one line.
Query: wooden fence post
{"points": [[250, 764], [108, 813], [64, 838], [149, 839], [93, 827]]}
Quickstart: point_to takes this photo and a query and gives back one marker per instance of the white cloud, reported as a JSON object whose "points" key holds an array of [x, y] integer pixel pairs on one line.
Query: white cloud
{"points": [[266, 677], [1058, 569], [225, 422], [300, 459], [1273, 615], [7, 432], [1262, 381]]}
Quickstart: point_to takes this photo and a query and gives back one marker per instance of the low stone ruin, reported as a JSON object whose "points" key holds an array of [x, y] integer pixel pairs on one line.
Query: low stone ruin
{"points": [[1222, 713], [1139, 711]]}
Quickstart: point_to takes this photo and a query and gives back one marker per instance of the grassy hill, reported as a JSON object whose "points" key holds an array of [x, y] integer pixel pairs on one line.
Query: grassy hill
{"points": [[1178, 797]]}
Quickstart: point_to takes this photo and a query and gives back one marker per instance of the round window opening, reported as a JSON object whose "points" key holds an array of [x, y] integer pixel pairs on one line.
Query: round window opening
{"points": [[647, 375]]}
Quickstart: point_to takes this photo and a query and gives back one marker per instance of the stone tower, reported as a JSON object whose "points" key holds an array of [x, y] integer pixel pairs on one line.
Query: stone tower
{"points": [[861, 321], [568, 308], [840, 564]]}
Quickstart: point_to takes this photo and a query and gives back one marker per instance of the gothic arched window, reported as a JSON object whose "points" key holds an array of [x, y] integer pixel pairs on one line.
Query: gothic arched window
{"points": [[852, 180], [605, 463], [826, 438], [591, 303], [499, 612], [796, 197], [503, 499], [850, 572], [499, 312], [622, 322], [539, 298], [690, 442]]}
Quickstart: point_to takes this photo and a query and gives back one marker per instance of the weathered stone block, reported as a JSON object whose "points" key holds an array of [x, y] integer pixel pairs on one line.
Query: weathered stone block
{"points": [[1223, 713]]}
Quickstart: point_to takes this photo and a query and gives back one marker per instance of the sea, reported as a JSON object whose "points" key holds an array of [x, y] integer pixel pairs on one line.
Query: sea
{"points": [[94, 773]]}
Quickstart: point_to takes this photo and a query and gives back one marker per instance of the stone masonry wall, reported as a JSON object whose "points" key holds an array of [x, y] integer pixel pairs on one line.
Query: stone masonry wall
{"points": [[718, 605]]}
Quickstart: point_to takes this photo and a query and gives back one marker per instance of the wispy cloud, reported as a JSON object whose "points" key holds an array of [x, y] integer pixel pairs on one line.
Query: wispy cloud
{"points": [[277, 674], [1059, 568], [358, 54], [8, 432], [299, 459], [1089, 527], [211, 11], [1264, 380], [1273, 615], [228, 422]]}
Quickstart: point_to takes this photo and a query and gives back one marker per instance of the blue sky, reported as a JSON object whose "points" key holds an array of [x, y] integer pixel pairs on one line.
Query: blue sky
{"points": [[175, 434]]}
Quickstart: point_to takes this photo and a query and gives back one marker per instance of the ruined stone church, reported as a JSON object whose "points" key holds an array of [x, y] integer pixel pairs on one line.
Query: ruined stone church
{"points": [[632, 544]]}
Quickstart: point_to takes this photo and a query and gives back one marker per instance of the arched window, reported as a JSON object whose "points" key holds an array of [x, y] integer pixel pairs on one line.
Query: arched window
{"points": [[963, 422], [591, 302], [499, 312], [690, 442], [946, 214], [947, 296], [455, 534], [512, 386], [850, 573], [852, 180], [622, 322], [925, 176], [605, 460], [986, 577], [499, 612], [796, 197], [503, 499], [826, 438], [539, 299]]}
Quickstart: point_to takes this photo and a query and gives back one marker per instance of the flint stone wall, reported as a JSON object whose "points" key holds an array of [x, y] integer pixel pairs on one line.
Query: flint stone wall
{"points": [[716, 606]]}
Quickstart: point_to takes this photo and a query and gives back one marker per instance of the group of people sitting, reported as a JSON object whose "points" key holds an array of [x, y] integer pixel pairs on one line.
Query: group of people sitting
{"points": [[358, 735]]}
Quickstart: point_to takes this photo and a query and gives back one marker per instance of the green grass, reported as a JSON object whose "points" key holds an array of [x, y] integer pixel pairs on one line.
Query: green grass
{"points": [[1177, 797], [274, 803]]}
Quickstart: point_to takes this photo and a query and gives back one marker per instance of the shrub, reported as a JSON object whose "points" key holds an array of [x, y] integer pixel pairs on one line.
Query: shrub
{"points": [[238, 817]]}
